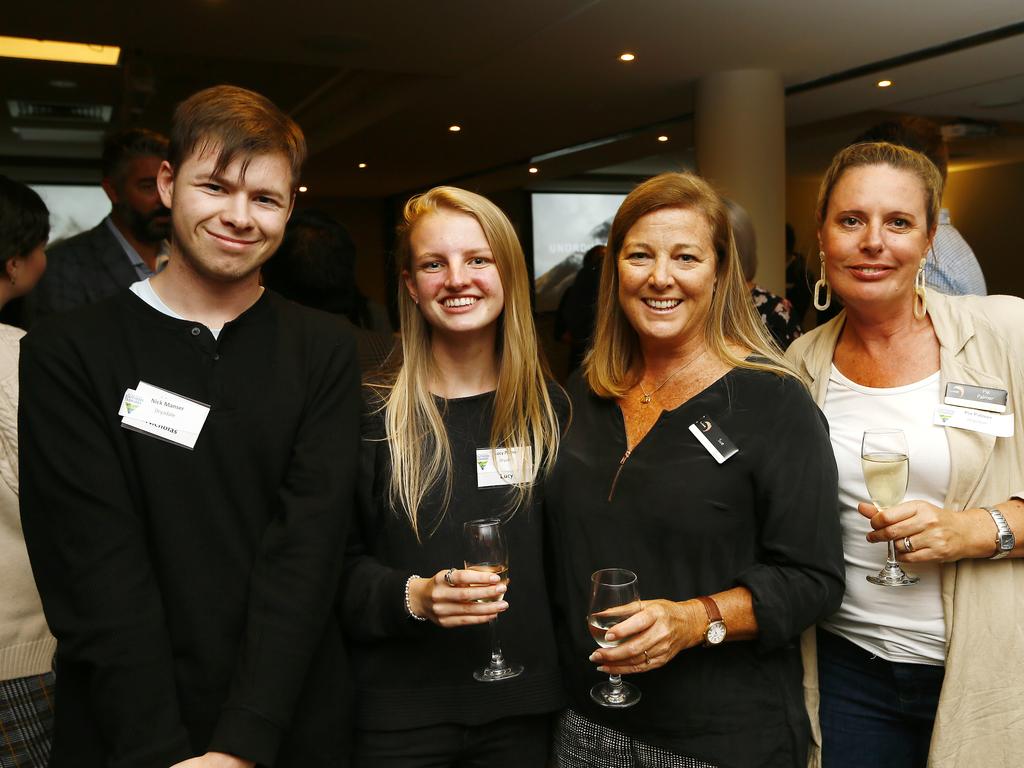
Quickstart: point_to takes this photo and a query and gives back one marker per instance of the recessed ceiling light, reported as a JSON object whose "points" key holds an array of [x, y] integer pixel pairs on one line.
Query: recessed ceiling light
{"points": [[534, 169], [663, 137], [362, 165], [54, 50], [454, 128], [884, 83], [303, 189], [63, 84], [627, 56]]}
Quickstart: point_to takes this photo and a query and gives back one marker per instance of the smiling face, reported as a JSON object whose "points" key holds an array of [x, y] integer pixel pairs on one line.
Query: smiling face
{"points": [[666, 269], [453, 276], [874, 235], [226, 225]]}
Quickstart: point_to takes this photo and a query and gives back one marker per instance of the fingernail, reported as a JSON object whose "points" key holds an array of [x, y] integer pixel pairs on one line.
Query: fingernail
{"points": [[502, 604], [501, 589], [593, 656], [603, 669], [609, 637]]}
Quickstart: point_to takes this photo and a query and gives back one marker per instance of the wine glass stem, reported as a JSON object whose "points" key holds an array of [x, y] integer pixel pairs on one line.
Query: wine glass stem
{"points": [[615, 681], [497, 659], [892, 552]]}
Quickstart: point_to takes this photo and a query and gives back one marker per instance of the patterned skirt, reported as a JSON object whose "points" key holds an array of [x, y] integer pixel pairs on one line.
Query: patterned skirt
{"points": [[26, 721], [582, 743]]}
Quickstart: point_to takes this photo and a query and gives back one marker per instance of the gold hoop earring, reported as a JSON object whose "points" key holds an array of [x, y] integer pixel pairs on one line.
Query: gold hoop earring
{"points": [[920, 292], [821, 306]]}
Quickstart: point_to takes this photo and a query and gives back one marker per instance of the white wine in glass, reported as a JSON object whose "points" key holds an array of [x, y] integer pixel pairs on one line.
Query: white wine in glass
{"points": [[613, 598], [884, 458], [487, 551]]}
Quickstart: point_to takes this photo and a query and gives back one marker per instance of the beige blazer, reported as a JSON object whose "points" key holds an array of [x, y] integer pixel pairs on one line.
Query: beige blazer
{"points": [[980, 719]]}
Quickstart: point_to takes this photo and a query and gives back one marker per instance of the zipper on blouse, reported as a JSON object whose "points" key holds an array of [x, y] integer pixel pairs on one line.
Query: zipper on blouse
{"points": [[618, 472]]}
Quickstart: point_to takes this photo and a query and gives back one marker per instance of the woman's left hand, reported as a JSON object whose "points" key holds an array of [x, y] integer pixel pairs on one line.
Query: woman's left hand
{"points": [[653, 637], [934, 534]]}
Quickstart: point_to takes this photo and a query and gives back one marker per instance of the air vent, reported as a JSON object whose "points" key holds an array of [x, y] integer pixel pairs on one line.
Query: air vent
{"points": [[69, 113]]}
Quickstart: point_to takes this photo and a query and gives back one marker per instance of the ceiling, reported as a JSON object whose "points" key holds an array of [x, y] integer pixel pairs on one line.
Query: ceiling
{"points": [[379, 83]]}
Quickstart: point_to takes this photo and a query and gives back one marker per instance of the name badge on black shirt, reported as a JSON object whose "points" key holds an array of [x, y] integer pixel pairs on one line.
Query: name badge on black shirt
{"points": [[711, 436]]}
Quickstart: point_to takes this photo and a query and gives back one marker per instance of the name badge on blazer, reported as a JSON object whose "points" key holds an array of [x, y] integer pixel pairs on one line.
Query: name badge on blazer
{"points": [[998, 424], [981, 398], [711, 436]]}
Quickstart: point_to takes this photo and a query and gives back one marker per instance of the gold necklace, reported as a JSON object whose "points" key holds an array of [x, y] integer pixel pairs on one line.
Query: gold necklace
{"points": [[646, 399]]}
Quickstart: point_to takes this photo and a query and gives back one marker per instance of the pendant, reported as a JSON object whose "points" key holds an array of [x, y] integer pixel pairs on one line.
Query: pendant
{"points": [[645, 399]]}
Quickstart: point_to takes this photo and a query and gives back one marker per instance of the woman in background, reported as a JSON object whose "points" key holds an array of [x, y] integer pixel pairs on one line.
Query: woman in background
{"points": [[945, 651], [26, 646], [471, 380]]}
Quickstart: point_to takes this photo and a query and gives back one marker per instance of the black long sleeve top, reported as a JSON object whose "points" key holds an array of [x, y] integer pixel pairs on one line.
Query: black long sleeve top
{"points": [[191, 590], [766, 519], [413, 673]]}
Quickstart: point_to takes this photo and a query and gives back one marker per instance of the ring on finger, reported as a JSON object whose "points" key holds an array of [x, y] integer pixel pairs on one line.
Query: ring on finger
{"points": [[448, 577], [647, 659], [907, 545]]}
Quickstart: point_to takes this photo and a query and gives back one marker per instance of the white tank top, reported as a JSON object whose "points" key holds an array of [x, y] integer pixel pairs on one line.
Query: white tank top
{"points": [[900, 624]]}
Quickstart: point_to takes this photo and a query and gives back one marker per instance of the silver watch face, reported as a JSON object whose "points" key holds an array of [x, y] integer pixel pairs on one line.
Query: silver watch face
{"points": [[1006, 542], [715, 633]]}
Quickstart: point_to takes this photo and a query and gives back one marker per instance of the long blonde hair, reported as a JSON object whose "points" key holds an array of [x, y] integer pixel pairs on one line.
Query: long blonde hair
{"points": [[613, 364], [523, 413]]}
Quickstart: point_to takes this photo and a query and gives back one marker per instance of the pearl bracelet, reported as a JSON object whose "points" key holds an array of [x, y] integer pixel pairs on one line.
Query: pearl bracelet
{"points": [[408, 607]]}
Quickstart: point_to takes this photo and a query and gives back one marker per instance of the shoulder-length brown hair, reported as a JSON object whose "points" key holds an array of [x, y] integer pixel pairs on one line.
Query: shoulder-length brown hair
{"points": [[614, 363]]}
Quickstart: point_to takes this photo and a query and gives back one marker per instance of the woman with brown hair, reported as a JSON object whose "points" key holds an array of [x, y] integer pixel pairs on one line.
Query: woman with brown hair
{"points": [[946, 372], [696, 459]]}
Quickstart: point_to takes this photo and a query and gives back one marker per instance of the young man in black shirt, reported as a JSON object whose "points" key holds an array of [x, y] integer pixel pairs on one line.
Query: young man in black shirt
{"points": [[188, 450]]}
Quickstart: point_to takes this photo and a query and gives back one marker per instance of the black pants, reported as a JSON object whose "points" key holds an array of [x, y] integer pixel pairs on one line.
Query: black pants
{"points": [[513, 742]]}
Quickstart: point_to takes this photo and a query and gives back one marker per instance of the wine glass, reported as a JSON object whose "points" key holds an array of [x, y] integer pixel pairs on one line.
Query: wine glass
{"points": [[614, 598], [884, 460], [487, 551]]}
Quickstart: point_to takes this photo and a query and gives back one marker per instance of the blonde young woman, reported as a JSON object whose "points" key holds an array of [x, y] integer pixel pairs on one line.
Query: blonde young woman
{"points": [[471, 380], [739, 551], [944, 652]]}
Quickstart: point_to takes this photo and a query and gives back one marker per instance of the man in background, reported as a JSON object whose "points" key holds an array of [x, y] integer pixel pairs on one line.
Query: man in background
{"points": [[123, 248], [952, 268]]}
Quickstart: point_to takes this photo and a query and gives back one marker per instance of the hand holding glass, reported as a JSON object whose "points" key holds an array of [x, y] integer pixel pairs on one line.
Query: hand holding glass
{"points": [[613, 599], [486, 550], [886, 464]]}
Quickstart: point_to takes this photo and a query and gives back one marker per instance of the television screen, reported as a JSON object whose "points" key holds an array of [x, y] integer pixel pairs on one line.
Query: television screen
{"points": [[73, 208], [565, 226]]}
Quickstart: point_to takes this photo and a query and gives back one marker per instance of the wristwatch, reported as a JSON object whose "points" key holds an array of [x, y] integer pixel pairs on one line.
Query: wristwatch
{"points": [[1005, 540], [716, 630]]}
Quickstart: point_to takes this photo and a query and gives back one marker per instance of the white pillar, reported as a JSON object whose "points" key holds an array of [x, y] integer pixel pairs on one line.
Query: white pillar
{"points": [[740, 136]]}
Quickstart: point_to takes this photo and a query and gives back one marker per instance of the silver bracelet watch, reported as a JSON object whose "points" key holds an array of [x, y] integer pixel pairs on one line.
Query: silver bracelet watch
{"points": [[1005, 540]]}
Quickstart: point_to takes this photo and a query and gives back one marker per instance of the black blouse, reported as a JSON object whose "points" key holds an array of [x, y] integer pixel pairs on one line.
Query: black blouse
{"points": [[412, 673], [766, 519]]}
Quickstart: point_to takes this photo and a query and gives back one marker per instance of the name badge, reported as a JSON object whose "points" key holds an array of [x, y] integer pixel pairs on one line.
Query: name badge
{"points": [[163, 414], [1000, 425], [711, 436], [981, 398], [503, 466]]}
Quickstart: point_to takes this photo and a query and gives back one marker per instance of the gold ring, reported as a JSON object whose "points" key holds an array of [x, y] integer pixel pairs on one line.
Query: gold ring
{"points": [[448, 577], [907, 545], [647, 659]]}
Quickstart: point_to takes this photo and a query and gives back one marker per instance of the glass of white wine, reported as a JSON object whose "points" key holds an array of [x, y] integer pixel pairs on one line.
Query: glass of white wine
{"points": [[614, 598], [884, 458], [487, 551]]}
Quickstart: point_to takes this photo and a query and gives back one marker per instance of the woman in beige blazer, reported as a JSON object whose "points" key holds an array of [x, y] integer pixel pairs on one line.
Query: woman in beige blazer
{"points": [[928, 673]]}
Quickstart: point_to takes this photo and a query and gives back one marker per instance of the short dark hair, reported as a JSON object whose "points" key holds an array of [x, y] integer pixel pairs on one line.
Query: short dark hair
{"points": [[237, 123], [917, 133], [120, 147], [24, 220], [315, 265]]}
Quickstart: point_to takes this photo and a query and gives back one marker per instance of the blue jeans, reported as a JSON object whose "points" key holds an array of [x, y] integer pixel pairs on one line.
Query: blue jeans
{"points": [[874, 712]]}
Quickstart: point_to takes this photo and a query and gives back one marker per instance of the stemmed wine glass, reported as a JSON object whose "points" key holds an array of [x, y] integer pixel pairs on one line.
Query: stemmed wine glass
{"points": [[885, 460], [487, 551], [614, 598]]}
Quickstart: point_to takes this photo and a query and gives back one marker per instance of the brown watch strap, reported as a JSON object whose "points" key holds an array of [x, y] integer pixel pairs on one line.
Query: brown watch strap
{"points": [[711, 607]]}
